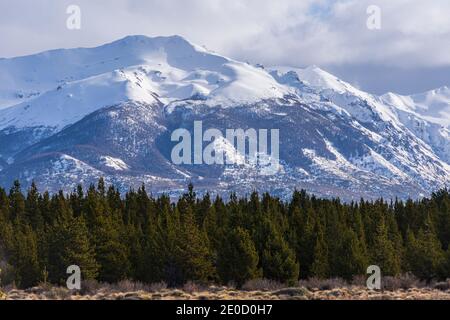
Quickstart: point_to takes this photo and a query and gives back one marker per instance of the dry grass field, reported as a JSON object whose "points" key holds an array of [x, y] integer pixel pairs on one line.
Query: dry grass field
{"points": [[262, 290]]}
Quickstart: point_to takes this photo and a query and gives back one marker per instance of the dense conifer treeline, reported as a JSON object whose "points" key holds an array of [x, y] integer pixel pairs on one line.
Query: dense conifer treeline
{"points": [[136, 236]]}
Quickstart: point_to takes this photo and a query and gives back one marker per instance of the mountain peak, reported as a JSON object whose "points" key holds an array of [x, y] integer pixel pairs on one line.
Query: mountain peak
{"points": [[439, 94], [432, 105], [71, 83], [315, 68], [442, 90], [318, 77], [155, 41]]}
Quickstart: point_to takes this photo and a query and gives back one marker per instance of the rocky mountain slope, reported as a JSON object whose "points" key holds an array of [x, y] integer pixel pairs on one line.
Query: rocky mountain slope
{"points": [[71, 116]]}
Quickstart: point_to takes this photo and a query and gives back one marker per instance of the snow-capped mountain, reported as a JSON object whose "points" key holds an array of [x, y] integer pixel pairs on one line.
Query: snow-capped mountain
{"points": [[427, 115], [70, 116]]}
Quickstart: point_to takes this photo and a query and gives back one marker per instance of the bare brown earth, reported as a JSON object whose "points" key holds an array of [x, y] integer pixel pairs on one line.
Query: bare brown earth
{"points": [[224, 293]]}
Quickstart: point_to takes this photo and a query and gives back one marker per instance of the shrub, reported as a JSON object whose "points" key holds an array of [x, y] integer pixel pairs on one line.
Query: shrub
{"points": [[262, 285], [157, 287], [191, 287], [130, 286], [6, 274], [359, 281], [443, 286], [405, 281], [58, 293], [323, 284], [292, 292], [90, 287]]}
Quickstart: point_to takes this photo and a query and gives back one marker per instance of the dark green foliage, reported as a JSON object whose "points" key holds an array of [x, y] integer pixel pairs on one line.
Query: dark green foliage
{"points": [[192, 252], [111, 252], [139, 237], [25, 257], [426, 258], [278, 261], [383, 253], [320, 267], [237, 258], [351, 260], [68, 244]]}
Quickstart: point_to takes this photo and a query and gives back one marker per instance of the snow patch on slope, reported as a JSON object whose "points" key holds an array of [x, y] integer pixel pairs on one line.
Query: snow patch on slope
{"points": [[339, 167], [70, 102], [114, 163], [374, 162]]}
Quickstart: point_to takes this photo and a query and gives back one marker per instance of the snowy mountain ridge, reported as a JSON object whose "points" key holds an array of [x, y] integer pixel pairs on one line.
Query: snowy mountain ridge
{"points": [[135, 68], [71, 115]]}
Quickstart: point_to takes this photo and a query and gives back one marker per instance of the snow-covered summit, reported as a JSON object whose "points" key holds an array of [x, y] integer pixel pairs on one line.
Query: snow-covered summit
{"points": [[433, 105], [171, 69], [134, 68]]}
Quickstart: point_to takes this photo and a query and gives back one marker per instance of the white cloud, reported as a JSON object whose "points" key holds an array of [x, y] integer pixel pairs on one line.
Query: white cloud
{"points": [[414, 33]]}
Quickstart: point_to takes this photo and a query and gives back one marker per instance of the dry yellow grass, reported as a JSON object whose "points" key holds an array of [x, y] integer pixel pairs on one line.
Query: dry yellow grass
{"points": [[224, 293]]}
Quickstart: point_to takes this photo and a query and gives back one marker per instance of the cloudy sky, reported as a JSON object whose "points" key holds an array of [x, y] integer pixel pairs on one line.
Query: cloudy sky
{"points": [[409, 53]]}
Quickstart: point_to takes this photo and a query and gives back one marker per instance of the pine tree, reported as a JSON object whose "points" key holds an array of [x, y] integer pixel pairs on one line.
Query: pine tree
{"points": [[6, 228], [163, 258], [17, 202], [6, 236], [25, 257], [426, 258], [32, 210], [211, 226], [441, 201], [154, 252], [351, 260], [69, 245], [383, 253], [135, 242], [303, 238], [110, 251], [396, 239], [237, 258], [193, 250], [320, 267], [445, 272], [277, 259]]}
